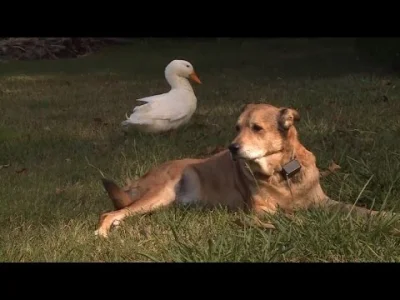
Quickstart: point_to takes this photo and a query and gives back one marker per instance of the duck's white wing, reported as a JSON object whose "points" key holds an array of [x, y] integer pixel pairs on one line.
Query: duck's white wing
{"points": [[160, 97], [159, 107]]}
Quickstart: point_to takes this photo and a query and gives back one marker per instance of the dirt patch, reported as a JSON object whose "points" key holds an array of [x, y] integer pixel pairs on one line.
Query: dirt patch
{"points": [[52, 48]]}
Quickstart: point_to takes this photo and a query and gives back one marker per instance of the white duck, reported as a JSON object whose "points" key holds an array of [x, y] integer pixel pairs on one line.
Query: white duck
{"points": [[170, 110]]}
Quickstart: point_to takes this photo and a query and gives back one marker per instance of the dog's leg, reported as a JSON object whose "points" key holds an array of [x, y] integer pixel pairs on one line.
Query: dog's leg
{"points": [[259, 223], [350, 208], [119, 197], [254, 220], [259, 211], [149, 202]]}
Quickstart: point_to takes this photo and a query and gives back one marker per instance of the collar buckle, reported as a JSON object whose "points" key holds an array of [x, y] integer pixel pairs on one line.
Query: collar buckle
{"points": [[291, 168]]}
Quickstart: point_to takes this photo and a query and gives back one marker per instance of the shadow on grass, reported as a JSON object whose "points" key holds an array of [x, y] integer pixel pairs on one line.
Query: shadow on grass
{"points": [[267, 58]]}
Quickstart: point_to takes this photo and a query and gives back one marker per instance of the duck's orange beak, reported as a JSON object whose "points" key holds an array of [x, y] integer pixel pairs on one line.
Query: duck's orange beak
{"points": [[194, 77]]}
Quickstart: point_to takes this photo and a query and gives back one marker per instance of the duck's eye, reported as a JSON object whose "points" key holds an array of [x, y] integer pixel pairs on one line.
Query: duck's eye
{"points": [[256, 127], [187, 66], [237, 127]]}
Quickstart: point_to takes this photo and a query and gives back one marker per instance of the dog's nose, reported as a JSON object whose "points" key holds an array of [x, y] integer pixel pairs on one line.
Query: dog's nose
{"points": [[234, 148]]}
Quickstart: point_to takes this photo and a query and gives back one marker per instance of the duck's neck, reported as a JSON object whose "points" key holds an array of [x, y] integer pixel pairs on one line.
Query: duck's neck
{"points": [[177, 82]]}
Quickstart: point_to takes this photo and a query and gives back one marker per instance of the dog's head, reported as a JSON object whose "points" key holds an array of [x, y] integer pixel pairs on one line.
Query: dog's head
{"points": [[263, 132]]}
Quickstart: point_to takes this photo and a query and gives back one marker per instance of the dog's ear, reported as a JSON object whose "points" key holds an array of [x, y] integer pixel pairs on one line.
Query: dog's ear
{"points": [[287, 117]]}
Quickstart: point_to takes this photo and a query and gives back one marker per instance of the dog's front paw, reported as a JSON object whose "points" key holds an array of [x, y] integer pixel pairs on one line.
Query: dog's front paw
{"points": [[107, 221], [101, 233]]}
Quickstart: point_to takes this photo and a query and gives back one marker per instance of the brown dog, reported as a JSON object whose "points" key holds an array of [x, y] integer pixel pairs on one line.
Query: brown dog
{"points": [[265, 169]]}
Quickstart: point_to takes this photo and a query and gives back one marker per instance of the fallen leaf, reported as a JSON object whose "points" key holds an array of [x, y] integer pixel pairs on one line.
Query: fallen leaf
{"points": [[68, 160], [59, 191], [333, 167], [4, 166], [324, 173], [22, 171]]}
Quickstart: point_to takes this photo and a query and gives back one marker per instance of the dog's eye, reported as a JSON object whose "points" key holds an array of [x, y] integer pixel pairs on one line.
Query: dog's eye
{"points": [[237, 128], [256, 127]]}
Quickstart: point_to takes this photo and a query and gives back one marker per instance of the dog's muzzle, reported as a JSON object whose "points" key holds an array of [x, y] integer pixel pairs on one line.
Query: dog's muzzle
{"points": [[234, 149]]}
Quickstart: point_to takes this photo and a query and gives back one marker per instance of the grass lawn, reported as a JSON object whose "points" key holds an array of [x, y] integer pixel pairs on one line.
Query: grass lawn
{"points": [[59, 131]]}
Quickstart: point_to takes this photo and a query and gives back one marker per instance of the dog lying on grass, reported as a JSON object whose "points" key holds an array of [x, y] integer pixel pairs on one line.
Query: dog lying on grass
{"points": [[266, 168]]}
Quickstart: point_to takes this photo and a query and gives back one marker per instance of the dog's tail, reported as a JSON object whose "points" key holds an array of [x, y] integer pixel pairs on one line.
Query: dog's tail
{"points": [[119, 197]]}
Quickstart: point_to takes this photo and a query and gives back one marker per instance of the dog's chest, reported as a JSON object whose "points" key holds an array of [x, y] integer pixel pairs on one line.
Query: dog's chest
{"points": [[272, 193]]}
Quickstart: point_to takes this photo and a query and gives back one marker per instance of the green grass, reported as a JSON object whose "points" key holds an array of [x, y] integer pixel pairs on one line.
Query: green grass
{"points": [[49, 211]]}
